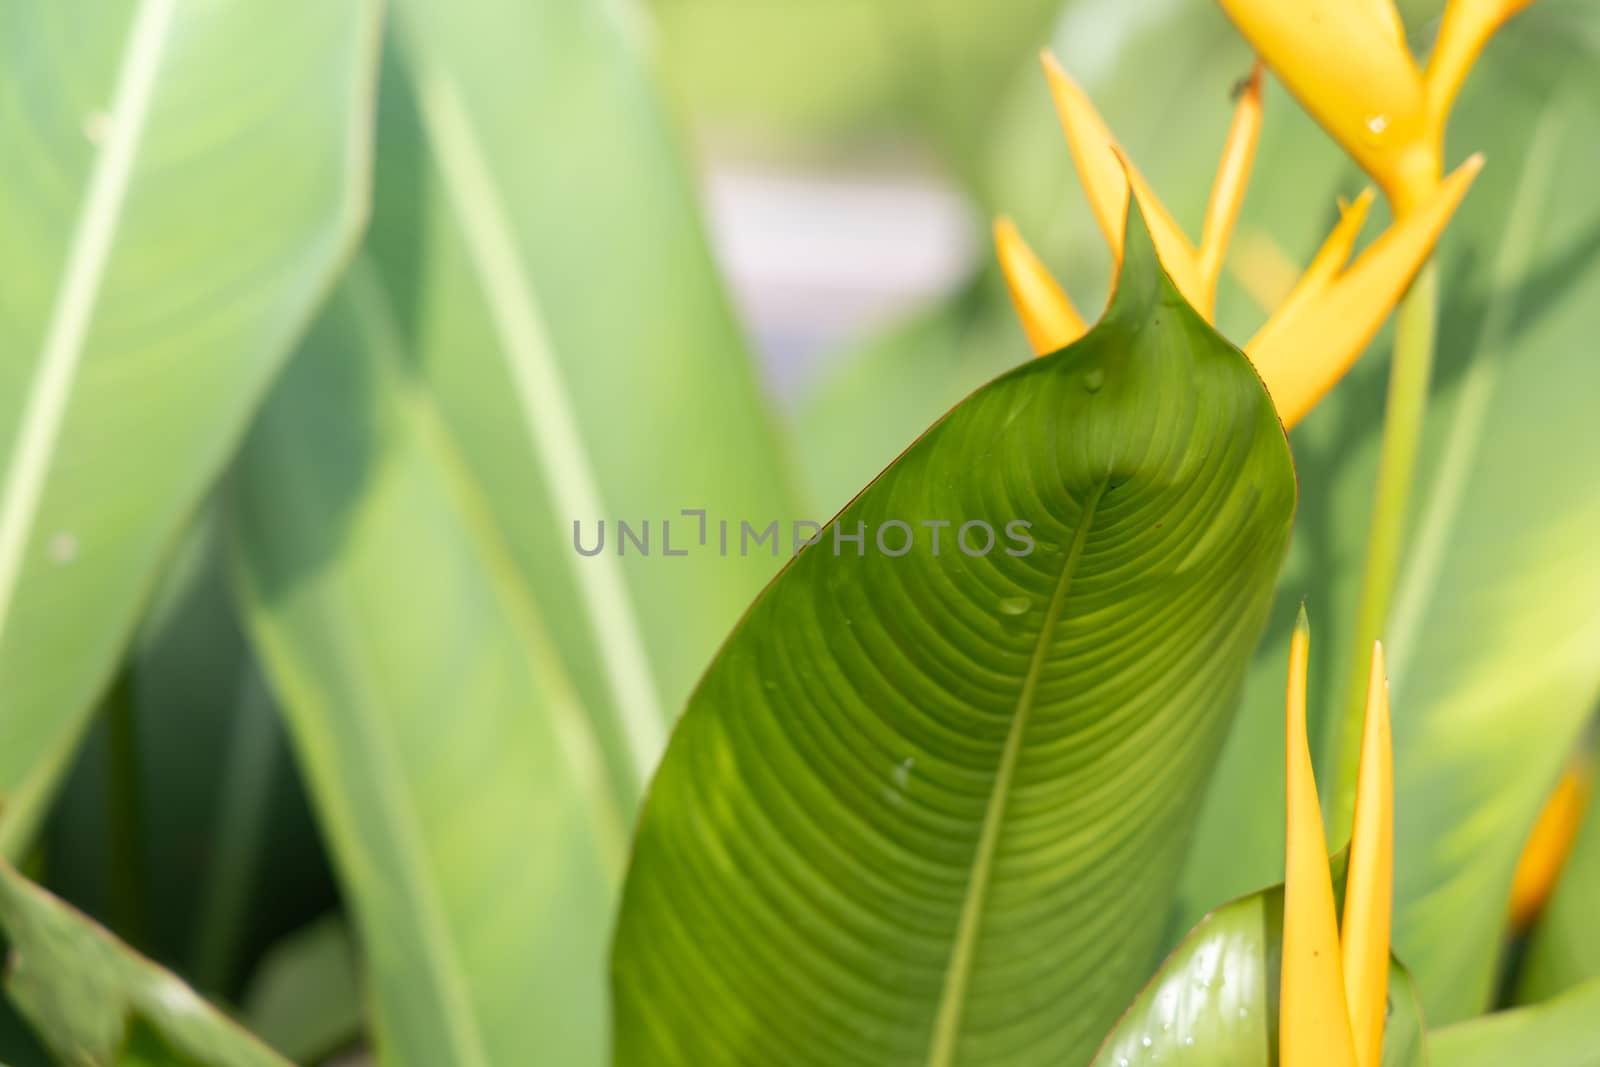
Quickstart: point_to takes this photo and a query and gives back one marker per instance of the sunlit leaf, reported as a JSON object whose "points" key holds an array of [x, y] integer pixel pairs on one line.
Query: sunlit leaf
{"points": [[928, 808]]}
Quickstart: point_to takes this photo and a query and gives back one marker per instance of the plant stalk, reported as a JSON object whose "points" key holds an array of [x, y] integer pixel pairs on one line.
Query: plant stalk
{"points": [[1410, 374]]}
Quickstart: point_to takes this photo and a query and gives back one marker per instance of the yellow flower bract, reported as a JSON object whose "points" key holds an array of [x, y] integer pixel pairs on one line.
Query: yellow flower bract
{"points": [[1317, 334], [1334, 987]]}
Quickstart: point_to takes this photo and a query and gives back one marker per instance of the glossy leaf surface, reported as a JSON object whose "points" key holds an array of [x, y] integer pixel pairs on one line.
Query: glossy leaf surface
{"points": [[1214, 1002]]}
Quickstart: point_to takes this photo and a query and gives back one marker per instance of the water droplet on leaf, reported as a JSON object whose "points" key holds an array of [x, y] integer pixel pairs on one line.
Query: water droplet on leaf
{"points": [[1015, 605]]}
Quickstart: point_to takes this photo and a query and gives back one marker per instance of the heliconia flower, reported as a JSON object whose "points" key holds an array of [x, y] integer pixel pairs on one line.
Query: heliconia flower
{"points": [[1334, 986], [1347, 63], [1319, 331]]}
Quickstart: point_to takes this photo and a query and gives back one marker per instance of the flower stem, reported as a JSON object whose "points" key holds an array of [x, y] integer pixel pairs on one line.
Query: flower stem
{"points": [[1409, 377]]}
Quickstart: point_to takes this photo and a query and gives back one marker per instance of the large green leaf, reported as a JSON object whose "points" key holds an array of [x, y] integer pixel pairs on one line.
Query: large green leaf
{"points": [[458, 783], [557, 296], [1494, 640], [927, 807], [181, 179], [534, 335], [1559, 1033], [1214, 1003], [97, 1003], [1564, 951]]}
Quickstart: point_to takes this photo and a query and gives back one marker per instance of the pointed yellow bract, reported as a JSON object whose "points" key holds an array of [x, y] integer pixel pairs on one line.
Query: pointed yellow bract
{"points": [[1467, 27], [1334, 986], [1106, 181], [1048, 317], [1316, 337], [1369, 889], [1313, 1021], [1227, 191], [1347, 63], [1330, 316]]}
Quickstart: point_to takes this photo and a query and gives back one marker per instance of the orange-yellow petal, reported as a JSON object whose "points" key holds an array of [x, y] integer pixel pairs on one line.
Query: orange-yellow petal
{"points": [[1466, 28], [1346, 61], [1369, 889], [1301, 357], [1095, 153], [1550, 844], [1313, 1022], [1227, 192], [1047, 314]]}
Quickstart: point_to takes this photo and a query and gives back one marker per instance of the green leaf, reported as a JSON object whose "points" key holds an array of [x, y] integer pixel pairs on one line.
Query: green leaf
{"points": [[1558, 1033], [1494, 640], [181, 180], [95, 1002], [533, 335], [1564, 951], [556, 295], [1215, 1000], [457, 782], [920, 800]]}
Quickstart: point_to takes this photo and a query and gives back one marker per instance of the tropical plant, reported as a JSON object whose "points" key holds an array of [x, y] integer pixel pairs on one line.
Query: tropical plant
{"points": [[382, 469]]}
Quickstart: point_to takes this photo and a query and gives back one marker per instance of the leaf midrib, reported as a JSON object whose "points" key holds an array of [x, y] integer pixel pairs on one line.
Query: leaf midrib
{"points": [[555, 438], [447, 973], [374, 313], [39, 426], [947, 1022]]}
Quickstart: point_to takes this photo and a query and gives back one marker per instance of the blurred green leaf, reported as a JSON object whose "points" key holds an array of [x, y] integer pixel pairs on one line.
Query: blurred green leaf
{"points": [[458, 783], [1494, 640], [1558, 1033], [181, 179], [1215, 1000], [97, 1003], [534, 336], [920, 800], [553, 290], [1564, 950]]}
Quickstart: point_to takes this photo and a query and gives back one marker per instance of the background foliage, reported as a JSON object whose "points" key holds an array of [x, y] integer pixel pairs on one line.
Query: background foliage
{"points": [[342, 314]]}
